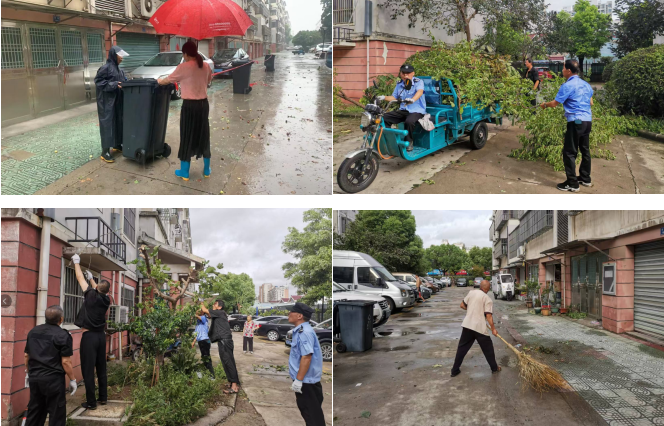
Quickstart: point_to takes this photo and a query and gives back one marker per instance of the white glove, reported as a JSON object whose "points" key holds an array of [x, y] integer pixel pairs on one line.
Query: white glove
{"points": [[76, 259], [408, 101], [297, 386], [380, 98], [88, 275], [73, 386]]}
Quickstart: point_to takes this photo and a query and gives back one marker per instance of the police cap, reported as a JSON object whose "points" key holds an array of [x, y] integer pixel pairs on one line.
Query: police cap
{"points": [[407, 68], [303, 309]]}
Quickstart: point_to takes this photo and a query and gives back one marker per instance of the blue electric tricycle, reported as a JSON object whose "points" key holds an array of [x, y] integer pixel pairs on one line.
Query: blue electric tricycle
{"points": [[360, 167]]}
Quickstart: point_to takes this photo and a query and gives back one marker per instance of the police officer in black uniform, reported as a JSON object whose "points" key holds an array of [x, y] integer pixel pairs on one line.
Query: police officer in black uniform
{"points": [[47, 360], [93, 341]]}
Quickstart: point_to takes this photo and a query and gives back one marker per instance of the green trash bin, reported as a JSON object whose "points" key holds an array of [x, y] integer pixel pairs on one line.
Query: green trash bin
{"points": [[242, 76], [144, 119], [355, 325]]}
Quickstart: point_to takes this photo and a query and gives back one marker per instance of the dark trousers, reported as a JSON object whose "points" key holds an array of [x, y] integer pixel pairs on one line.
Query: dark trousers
{"points": [[577, 138], [205, 346], [225, 347], [47, 396], [248, 341], [402, 116], [310, 403], [467, 339], [93, 357]]}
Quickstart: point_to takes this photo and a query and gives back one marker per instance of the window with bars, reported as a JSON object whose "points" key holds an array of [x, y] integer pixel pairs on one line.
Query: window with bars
{"points": [[42, 44], [95, 48], [72, 295], [533, 273], [72, 48], [129, 224], [12, 48], [128, 295]]}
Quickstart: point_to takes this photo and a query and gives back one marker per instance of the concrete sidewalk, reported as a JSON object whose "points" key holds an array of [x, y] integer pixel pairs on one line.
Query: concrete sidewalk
{"points": [[637, 169], [265, 380], [275, 140]]}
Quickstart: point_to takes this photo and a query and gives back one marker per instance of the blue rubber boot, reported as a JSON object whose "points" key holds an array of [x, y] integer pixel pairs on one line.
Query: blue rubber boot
{"points": [[184, 170], [206, 168]]}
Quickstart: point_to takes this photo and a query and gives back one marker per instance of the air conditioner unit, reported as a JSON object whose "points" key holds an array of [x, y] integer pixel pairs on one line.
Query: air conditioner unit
{"points": [[148, 7], [521, 251], [177, 233], [118, 314]]}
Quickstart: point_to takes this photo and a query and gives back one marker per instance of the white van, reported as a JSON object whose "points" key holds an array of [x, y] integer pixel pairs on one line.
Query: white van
{"points": [[502, 286], [361, 272]]}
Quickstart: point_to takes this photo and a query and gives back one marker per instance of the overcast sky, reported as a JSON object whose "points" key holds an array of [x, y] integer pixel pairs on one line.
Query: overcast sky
{"points": [[470, 227], [304, 14], [246, 240]]}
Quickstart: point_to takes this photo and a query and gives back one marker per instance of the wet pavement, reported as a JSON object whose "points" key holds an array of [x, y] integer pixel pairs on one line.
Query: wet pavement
{"points": [[275, 140], [637, 169], [405, 377], [622, 378]]}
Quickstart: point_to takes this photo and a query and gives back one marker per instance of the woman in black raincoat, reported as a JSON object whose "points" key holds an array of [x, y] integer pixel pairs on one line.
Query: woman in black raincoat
{"points": [[109, 102]]}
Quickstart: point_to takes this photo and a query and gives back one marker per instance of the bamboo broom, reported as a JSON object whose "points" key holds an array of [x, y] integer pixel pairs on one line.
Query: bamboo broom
{"points": [[539, 376]]}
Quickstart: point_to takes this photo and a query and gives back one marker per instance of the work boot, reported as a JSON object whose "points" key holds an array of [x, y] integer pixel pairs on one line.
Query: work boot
{"points": [[117, 149], [566, 186], [410, 146], [184, 170], [88, 406], [206, 167], [106, 156]]}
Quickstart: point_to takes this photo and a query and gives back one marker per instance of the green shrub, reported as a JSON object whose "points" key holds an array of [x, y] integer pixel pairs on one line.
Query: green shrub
{"points": [[637, 82], [122, 373], [578, 315], [608, 70], [184, 360]]}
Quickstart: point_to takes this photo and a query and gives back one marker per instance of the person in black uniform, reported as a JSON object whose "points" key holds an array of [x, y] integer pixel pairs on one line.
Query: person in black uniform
{"points": [[48, 354], [220, 332], [93, 341], [533, 75]]}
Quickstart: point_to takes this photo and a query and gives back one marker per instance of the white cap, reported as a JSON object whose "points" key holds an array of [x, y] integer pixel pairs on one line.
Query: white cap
{"points": [[122, 53]]}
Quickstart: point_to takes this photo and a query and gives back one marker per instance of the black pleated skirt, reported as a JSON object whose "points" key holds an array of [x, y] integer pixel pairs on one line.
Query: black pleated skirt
{"points": [[194, 129]]}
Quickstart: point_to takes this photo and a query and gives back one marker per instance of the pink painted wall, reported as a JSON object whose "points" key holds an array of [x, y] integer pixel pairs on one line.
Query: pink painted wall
{"points": [[350, 65]]}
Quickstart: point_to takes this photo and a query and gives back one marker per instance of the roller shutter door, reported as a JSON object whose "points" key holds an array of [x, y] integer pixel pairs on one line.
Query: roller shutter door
{"points": [[140, 47], [649, 288]]}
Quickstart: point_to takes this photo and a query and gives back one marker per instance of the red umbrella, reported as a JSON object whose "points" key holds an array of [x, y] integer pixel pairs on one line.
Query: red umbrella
{"points": [[200, 19], [462, 272]]}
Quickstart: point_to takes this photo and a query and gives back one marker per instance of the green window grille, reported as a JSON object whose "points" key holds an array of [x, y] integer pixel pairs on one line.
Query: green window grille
{"points": [[575, 269], [95, 48], [12, 48], [42, 43], [72, 48], [583, 274]]}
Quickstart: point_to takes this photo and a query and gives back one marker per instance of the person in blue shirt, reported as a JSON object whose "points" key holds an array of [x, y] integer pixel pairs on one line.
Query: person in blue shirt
{"points": [[203, 340], [576, 96], [410, 90], [305, 366]]}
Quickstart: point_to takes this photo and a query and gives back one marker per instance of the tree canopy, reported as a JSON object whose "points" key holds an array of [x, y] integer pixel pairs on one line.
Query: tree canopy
{"points": [[640, 21], [448, 258], [236, 289], [307, 39], [590, 31], [481, 256], [326, 20], [312, 247]]}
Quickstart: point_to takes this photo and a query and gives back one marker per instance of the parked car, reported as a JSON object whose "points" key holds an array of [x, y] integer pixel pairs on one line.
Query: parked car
{"points": [[162, 65], [223, 59], [461, 282], [381, 309], [236, 321], [447, 281], [320, 50], [439, 283], [477, 281], [265, 320], [324, 334], [544, 73], [412, 278], [359, 271], [276, 329]]}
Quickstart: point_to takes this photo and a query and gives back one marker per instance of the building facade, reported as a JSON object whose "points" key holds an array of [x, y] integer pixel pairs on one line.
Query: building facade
{"points": [[256, 41], [277, 293], [361, 53], [278, 21], [264, 292], [37, 272], [341, 219], [607, 264]]}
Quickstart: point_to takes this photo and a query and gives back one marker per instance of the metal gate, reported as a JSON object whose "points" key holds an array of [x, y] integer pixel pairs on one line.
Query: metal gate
{"points": [[649, 288], [587, 283], [45, 69], [140, 47]]}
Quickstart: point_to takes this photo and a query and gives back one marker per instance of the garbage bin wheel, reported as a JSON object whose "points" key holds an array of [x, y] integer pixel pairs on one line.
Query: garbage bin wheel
{"points": [[167, 150], [141, 157], [341, 348]]}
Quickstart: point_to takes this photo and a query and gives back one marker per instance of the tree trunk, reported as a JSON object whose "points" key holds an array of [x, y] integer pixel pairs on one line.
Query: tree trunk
{"points": [[581, 58], [466, 25]]}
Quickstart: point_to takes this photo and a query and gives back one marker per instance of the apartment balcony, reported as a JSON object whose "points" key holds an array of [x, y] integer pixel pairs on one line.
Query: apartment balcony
{"points": [[503, 216], [100, 249], [266, 38], [513, 243], [500, 248], [344, 12], [534, 223]]}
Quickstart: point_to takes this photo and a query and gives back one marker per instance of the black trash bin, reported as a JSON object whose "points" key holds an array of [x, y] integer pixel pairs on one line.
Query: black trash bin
{"points": [[144, 119], [355, 326], [241, 76], [269, 62]]}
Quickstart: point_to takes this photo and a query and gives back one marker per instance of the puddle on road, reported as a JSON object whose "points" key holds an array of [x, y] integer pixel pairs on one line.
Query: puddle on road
{"points": [[385, 333], [411, 315], [396, 348]]}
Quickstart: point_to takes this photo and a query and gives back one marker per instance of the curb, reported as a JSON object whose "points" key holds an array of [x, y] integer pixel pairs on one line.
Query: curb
{"points": [[657, 137], [218, 415]]}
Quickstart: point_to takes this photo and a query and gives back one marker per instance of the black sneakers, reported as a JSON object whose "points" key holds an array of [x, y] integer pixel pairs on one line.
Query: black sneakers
{"points": [[588, 184], [88, 406], [106, 156], [566, 186]]}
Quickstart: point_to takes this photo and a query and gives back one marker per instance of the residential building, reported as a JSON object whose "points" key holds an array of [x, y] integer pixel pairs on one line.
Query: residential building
{"points": [[278, 21], [445, 242], [256, 41], [607, 264], [341, 219], [263, 293], [462, 246], [360, 53], [37, 272], [277, 293], [605, 7]]}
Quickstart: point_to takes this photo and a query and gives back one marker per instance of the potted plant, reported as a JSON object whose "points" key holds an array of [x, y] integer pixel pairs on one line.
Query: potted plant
{"points": [[563, 310], [531, 288], [538, 306]]}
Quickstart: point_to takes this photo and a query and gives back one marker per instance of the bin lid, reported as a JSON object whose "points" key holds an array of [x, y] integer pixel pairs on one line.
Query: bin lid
{"points": [[140, 82], [355, 302]]}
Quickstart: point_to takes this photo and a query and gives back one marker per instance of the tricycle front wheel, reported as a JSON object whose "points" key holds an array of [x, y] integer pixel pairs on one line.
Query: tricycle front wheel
{"points": [[351, 178], [479, 135]]}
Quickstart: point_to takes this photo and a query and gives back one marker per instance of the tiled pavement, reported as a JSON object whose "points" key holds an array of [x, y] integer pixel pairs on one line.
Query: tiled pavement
{"points": [[621, 378]]}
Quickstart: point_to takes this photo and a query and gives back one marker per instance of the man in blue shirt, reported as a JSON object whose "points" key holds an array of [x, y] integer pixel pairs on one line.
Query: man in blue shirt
{"points": [[410, 90], [203, 340], [305, 366], [576, 95]]}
